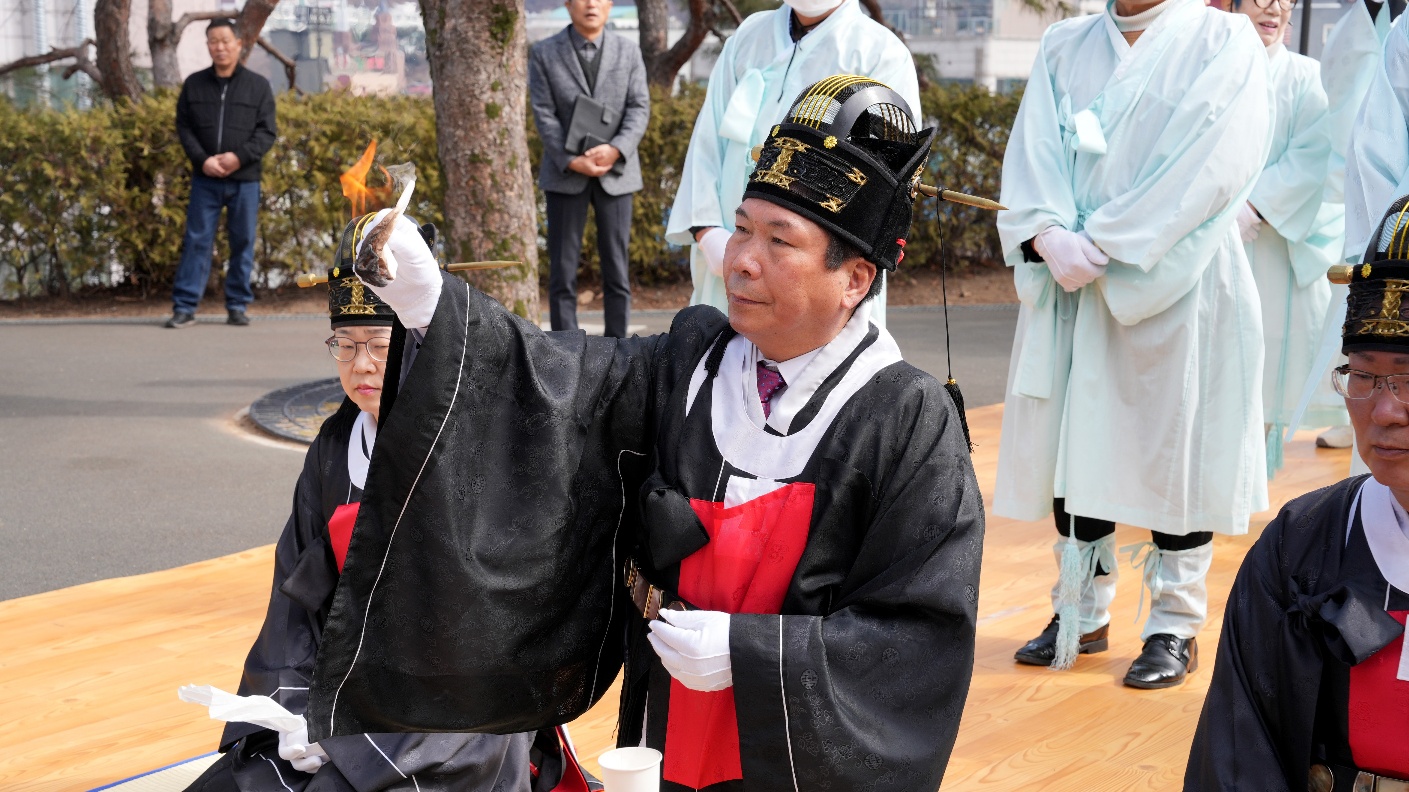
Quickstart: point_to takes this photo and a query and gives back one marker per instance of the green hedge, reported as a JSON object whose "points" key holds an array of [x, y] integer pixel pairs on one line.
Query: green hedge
{"points": [[96, 199]]}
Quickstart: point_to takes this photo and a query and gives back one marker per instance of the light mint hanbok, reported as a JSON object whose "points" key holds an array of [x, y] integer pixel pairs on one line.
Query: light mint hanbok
{"points": [[1138, 398], [1299, 239]]}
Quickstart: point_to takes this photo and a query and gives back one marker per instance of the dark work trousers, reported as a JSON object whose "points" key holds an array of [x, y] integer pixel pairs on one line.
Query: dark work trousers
{"points": [[1089, 529], [567, 217], [240, 200]]}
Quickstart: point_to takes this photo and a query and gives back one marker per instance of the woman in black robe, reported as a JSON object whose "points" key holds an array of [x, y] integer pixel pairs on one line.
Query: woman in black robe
{"points": [[309, 560], [1311, 686]]}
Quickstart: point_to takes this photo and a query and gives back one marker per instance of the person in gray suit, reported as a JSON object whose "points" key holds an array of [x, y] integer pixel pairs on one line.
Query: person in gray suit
{"points": [[584, 58]]}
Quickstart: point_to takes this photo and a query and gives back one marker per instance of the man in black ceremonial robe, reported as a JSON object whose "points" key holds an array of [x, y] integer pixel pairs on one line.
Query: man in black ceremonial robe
{"points": [[791, 506], [1311, 686], [308, 559]]}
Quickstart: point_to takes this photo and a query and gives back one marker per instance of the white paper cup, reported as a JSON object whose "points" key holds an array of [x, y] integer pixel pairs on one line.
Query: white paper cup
{"points": [[631, 770]]}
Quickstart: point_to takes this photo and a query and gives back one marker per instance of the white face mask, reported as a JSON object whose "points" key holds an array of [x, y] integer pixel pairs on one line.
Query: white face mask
{"points": [[812, 8]]}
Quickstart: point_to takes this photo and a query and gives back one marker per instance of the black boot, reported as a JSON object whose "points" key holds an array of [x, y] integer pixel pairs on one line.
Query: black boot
{"points": [[1164, 663], [1042, 649]]}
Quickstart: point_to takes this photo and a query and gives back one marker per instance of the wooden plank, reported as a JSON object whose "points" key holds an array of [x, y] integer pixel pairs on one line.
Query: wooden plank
{"points": [[89, 674]]}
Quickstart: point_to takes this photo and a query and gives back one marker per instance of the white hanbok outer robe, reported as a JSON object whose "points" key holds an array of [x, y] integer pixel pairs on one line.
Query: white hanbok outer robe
{"points": [[1294, 246], [1138, 398], [1349, 62], [1377, 168], [759, 74]]}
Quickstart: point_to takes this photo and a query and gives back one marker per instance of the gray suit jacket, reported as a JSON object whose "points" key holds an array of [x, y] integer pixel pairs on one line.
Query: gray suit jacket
{"points": [[555, 80]]}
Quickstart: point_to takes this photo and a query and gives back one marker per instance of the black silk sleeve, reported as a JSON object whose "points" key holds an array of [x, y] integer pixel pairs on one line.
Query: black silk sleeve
{"points": [[1247, 729], [482, 585], [1291, 610], [1258, 720], [280, 663], [871, 692]]}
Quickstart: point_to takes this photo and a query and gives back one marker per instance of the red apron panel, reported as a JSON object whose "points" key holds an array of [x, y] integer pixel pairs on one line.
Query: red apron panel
{"points": [[340, 531], [1379, 711], [754, 549]]}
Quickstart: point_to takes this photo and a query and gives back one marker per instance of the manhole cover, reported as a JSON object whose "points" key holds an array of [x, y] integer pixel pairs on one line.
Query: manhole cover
{"points": [[296, 412]]}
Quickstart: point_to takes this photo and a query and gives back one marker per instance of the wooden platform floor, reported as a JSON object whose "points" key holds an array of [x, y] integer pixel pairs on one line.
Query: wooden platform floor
{"points": [[88, 675]]}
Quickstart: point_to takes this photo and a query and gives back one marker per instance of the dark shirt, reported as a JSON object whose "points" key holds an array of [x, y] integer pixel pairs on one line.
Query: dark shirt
{"points": [[235, 114], [796, 30], [588, 54]]}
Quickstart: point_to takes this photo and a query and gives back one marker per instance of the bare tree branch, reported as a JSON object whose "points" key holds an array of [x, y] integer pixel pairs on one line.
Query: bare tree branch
{"points": [[290, 68], [250, 23], [734, 12], [83, 64], [673, 59], [187, 18], [79, 53]]}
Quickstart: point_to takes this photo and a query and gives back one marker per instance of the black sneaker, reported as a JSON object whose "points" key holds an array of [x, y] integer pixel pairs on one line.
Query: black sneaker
{"points": [[181, 319], [237, 318]]}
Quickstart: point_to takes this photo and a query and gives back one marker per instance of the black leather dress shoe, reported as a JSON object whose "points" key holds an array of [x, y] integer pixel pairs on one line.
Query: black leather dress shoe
{"points": [[1164, 663], [237, 317], [1042, 649]]}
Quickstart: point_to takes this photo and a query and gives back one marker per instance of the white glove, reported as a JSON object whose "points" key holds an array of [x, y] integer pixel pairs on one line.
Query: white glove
{"points": [[415, 277], [1073, 259], [694, 647], [712, 246], [1248, 223], [294, 749]]}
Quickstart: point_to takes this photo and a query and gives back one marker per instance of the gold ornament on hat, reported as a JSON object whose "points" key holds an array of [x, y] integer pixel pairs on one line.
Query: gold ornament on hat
{"points": [[776, 174], [356, 306]]}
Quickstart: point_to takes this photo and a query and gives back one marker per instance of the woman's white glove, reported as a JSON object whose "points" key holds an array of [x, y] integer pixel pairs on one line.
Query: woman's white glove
{"points": [[712, 245], [694, 647], [415, 277], [294, 749], [1248, 222], [1073, 259]]}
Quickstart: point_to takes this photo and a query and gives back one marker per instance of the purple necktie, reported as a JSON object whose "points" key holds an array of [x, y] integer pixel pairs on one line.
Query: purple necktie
{"points": [[769, 383]]}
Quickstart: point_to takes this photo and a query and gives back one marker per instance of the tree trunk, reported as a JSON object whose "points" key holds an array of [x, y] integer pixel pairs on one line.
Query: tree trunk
{"points": [[249, 24], [653, 16], [162, 38], [115, 49], [479, 66]]}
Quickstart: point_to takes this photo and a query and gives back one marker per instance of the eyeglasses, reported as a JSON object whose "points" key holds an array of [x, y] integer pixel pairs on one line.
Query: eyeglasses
{"points": [[344, 350], [1357, 385], [1285, 5]]}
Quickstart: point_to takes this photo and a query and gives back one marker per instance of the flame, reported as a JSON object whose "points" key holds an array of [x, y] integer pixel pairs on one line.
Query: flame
{"points": [[365, 199]]}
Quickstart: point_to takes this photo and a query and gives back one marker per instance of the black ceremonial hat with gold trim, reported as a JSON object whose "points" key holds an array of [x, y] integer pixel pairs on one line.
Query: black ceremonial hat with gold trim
{"points": [[350, 302], [1377, 308], [849, 158]]}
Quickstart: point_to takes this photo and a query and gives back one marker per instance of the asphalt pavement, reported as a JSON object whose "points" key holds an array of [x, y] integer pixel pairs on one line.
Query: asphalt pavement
{"points": [[120, 453]]}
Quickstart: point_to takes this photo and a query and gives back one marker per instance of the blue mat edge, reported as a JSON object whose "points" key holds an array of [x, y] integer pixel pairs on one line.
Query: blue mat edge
{"points": [[150, 772]]}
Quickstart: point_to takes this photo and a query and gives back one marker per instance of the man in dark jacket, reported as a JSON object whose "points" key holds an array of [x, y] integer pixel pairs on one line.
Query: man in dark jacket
{"points": [[225, 117]]}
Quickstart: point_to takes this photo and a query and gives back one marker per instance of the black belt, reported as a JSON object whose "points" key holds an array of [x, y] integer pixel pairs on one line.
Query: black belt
{"points": [[649, 600], [1338, 778]]}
